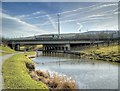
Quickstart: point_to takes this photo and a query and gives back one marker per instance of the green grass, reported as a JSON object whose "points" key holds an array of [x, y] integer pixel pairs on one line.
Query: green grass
{"points": [[105, 53], [103, 49], [16, 74], [6, 50]]}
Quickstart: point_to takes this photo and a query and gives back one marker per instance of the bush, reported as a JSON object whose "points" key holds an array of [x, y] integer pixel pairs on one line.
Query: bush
{"points": [[55, 81]]}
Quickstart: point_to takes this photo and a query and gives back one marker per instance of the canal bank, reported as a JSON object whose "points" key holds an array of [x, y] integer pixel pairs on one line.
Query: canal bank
{"points": [[103, 53], [16, 74], [3, 58]]}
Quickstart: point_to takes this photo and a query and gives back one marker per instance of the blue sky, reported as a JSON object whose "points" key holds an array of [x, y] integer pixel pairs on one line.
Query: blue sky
{"points": [[36, 18]]}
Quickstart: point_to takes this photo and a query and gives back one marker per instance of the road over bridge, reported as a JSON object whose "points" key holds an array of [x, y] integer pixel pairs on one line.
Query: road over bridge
{"points": [[52, 44]]}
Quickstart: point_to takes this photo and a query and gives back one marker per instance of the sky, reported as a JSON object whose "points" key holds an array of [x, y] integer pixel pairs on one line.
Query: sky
{"points": [[21, 19]]}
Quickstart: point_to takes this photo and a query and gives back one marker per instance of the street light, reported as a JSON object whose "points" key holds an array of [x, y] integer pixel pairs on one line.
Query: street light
{"points": [[58, 25]]}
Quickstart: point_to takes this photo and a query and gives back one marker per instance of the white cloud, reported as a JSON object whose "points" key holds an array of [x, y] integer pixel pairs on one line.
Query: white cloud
{"points": [[88, 9], [105, 26], [22, 16], [85, 15], [70, 12], [38, 13], [91, 20], [82, 20], [116, 13], [35, 13], [14, 26], [106, 5], [30, 16], [97, 15], [74, 13], [79, 9]]}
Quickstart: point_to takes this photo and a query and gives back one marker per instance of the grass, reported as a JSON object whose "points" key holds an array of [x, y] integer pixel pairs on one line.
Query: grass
{"points": [[105, 53], [103, 49], [16, 76], [6, 50]]}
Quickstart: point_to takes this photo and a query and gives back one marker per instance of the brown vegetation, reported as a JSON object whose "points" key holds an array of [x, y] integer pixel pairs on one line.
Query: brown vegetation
{"points": [[54, 82]]}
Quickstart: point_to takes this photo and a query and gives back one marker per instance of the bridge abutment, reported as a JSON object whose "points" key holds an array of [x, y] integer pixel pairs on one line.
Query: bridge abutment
{"points": [[14, 46]]}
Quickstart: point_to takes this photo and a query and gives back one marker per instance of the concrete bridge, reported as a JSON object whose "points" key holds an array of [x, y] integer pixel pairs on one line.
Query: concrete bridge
{"points": [[52, 44]]}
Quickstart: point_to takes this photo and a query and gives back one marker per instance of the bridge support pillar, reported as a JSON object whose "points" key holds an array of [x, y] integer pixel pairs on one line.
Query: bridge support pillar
{"points": [[68, 47], [17, 47], [56, 47]]}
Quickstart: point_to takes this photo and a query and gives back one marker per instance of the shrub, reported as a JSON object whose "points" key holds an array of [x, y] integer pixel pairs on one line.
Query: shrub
{"points": [[54, 81]]}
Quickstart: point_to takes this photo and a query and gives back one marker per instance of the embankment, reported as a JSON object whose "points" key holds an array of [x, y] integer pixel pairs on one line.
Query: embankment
{"points": [[16, 75], [104, 53], [5, 50]]}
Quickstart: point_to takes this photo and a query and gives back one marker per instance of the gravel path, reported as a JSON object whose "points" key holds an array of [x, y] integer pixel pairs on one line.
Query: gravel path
{"points": [[2, 58]]}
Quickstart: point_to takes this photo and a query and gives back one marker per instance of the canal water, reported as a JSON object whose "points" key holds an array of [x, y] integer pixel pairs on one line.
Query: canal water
{"points": [[89, 74]]}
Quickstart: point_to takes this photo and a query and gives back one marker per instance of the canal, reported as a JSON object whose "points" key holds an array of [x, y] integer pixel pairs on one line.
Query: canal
{"points": [[89, 74]]}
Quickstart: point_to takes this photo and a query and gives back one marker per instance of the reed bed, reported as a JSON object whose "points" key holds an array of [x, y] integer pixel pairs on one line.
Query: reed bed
{"points": [[54, 81]]}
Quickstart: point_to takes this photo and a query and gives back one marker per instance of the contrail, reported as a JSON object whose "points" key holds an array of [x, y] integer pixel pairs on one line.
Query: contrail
{"points": [[80, 26], [51, 21]]}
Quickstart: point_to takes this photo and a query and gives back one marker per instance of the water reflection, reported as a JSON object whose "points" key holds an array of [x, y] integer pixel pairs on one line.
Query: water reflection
{"points": [[89, 74]]}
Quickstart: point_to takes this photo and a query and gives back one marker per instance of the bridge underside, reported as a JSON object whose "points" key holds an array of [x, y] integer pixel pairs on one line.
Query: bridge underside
{"points": [[14, 46], [53, 45]]}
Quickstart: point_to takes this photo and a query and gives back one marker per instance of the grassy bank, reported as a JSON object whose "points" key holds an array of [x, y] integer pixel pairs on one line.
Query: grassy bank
{"points": [[105, 53], [6, 50], [16, 74], [104, 49]]}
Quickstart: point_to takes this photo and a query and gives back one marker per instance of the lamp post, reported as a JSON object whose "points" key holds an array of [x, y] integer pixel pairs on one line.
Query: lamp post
{"points": [[58, 25]]}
